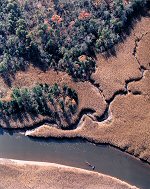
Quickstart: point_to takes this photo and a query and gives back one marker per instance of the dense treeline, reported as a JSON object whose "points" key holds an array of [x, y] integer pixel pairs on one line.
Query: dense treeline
{"points": [[60, 103], [64, 36]]}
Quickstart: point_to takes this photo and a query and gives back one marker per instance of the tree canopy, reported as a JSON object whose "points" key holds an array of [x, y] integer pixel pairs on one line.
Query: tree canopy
{"points": [[57, 35]]}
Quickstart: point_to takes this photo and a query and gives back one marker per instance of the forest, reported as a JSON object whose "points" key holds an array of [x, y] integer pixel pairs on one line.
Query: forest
{"points": [[64, 36], [59, 103]]}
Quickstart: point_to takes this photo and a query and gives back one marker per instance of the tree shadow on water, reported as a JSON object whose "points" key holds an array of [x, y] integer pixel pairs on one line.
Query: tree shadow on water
{"points": [[1, 131]]}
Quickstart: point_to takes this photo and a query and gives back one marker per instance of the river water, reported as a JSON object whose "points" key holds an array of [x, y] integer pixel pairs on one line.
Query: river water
{"points": [[106, 159]]}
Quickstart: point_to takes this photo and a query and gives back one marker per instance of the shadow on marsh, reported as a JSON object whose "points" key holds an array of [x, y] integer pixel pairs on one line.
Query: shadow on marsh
{"points": [[126, 31], [17, 119]]}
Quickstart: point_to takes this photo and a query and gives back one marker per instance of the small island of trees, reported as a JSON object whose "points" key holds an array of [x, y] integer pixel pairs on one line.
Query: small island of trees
{"points": [[59, 103]]}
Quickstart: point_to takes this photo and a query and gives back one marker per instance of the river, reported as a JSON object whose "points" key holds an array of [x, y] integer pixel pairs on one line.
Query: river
{"points": [[76, 152]]}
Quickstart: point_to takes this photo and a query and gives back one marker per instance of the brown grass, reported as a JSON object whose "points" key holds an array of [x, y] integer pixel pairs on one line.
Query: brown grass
{"points": [[128, 126], [93, 101], [37, 175], [143, 51], [142, 86], [33, 76], [112, 73], [143, 27]]}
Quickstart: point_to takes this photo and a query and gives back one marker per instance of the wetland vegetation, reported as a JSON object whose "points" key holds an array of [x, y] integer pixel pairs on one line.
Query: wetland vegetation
{"points": [[58, 75], [62, 35]]}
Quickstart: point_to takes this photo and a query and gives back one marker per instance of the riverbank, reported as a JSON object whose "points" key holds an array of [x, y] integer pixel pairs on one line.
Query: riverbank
{"points": [[118, 96], [41, 175], [124, 82], [118, 130]]}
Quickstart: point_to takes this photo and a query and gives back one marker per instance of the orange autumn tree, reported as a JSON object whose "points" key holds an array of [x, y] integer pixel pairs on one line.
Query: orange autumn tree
{"points": [[84, 15], [56, 18], [82, 58]]}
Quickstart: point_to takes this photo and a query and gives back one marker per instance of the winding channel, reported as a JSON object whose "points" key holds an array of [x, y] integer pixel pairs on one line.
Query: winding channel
{"points": [[76, 152]]}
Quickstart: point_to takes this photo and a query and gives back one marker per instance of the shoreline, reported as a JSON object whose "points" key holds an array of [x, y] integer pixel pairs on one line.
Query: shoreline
{"points": [[128, 128], [102, 181], [24, 132], [90, 141]]}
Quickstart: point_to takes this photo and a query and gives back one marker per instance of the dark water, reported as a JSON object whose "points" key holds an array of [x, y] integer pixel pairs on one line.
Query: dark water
{"points": [[106, 159]]}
